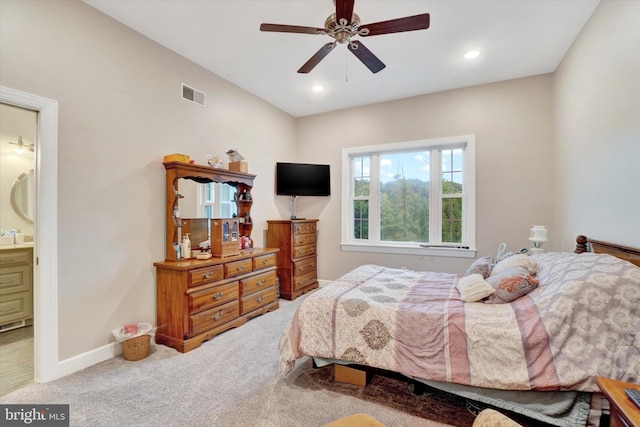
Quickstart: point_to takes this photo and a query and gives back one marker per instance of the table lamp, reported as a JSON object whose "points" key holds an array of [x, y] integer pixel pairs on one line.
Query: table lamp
{"points": [[538, 235]]}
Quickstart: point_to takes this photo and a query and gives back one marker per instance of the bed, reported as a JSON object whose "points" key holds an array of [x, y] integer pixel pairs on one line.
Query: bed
{"points": [[565, 319]]}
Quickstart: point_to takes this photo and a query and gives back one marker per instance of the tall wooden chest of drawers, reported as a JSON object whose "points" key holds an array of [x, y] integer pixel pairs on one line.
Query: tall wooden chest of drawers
{"points": [[199, 299], [297, 260]]}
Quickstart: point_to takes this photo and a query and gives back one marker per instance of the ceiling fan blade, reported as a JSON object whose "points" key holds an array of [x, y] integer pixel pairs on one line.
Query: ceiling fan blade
{"points": [[369, 59], [344, 9], [409, 23], [278, 28], [315, 59]]}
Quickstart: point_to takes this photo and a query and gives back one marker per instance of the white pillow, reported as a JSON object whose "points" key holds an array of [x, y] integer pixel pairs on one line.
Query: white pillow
{"points": [[520, 260], [474, 288]]}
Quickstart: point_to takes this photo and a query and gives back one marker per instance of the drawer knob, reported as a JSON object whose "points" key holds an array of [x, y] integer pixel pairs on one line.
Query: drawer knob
{"points": [[240, 268], [260, 282], [217, 316], [265, 261], [207, 275], [260, 298], [217, 295]]}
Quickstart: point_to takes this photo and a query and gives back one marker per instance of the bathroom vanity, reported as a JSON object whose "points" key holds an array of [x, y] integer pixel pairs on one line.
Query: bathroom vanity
{"points": [[16, 286]]}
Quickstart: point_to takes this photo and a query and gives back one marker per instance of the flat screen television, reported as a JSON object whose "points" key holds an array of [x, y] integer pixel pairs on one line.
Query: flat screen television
{"points": [[302, 179]]}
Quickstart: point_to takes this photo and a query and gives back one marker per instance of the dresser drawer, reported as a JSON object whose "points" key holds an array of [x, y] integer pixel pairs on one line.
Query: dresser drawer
{"points": [[14, 257], [258, 282], [307, 265], [15, 279], [237, 268], [203, 300], [257, 300], [206, 274], [304, 227], [16, 306], [264, 261], [303, 251], [218, 316], [300, 282], [304, 239]]}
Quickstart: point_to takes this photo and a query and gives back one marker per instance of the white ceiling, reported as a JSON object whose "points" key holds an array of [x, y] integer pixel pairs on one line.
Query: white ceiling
{"points": [[516, 38]]}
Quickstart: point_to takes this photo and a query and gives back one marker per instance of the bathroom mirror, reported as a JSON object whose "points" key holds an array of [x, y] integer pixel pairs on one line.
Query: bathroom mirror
{"points": [[22, 193]]}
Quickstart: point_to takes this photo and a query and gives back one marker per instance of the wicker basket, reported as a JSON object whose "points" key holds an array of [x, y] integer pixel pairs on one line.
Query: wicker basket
{"points": [[136, 348]]}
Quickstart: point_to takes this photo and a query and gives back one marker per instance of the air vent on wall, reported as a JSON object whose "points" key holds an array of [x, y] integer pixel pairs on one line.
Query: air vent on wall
{"points": [[193, 95]]}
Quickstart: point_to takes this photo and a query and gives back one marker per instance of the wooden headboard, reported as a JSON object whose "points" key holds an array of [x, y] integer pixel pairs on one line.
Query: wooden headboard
{"points": [[584, 244]]}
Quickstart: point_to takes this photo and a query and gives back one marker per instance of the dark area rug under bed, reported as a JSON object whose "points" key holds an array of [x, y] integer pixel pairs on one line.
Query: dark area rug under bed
{"points": [[397, 392]]}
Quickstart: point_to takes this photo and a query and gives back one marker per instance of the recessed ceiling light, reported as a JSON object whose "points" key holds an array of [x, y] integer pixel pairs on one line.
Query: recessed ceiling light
{"points": [[472, 54], [317, 88]]}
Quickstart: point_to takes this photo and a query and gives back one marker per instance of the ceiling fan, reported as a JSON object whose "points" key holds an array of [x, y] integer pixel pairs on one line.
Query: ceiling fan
{"points": [[343, 25]]}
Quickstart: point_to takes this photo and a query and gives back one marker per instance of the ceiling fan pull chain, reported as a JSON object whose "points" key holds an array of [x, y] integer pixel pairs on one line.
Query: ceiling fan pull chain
{"points": [[346, 67]]}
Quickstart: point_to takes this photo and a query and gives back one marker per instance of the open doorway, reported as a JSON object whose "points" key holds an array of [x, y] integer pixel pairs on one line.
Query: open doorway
{"points": [[45, 249], [17, 211]]}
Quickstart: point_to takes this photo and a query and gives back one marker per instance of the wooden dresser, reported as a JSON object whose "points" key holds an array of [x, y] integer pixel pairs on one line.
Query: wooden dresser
{"points": [[297, 260], [16, 286], [198, 299]]}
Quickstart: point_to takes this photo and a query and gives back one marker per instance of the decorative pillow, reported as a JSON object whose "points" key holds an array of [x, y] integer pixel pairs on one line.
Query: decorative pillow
{"points": [[492, 418], [510, 285], [481, 266], [474, 288], [520, 260]]}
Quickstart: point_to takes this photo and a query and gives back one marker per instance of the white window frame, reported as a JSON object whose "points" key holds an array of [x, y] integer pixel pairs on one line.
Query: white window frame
{"points": [[466, 249], [216, 204]]}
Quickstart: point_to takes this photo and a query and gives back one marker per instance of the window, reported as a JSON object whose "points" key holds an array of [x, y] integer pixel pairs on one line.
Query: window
{"points": [[216, 200], [413, 197]]}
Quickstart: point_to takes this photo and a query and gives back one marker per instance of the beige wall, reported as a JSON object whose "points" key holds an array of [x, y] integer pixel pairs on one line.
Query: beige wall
{"points": [[597, 148], [120, 111], [513, 125]]}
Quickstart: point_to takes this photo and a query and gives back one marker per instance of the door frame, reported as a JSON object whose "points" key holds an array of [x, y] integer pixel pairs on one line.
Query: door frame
{"points": [[45, 277]]}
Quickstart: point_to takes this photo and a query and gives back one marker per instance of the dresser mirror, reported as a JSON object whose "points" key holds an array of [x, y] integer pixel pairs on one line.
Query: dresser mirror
{"points": [[22, 195], [187, 202], [207, 200]]}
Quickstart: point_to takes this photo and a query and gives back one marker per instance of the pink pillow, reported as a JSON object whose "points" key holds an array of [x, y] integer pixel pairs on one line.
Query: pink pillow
{"points": [[510, 285]]}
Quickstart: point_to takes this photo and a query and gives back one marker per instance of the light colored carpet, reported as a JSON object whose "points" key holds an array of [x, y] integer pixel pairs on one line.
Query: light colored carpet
{"points": [[231, 380]]}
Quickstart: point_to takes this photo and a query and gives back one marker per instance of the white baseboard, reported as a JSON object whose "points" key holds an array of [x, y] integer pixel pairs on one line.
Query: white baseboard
{"points": [[88, 359]]}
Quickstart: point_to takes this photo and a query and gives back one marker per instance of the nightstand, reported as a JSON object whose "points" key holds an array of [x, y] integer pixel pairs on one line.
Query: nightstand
{"points": [[624, 413]]}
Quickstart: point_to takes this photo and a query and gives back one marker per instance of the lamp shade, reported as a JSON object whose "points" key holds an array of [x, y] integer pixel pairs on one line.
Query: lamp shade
{"points": [[538, 233]]}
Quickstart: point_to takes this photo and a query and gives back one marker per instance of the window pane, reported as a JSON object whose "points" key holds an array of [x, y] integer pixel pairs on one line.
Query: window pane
{"points": [[457, 159], [452, 171], [452, 220], [404, 196], [209, 192], [361, 176], [361, 219]]}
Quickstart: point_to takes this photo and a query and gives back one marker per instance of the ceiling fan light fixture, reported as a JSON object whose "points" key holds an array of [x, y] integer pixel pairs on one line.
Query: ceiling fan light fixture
{"points": [[343, 25], [472, 54]]}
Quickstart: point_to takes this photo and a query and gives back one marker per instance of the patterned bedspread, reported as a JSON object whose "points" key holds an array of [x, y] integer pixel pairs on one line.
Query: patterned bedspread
{"points": [[582, 321]]}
